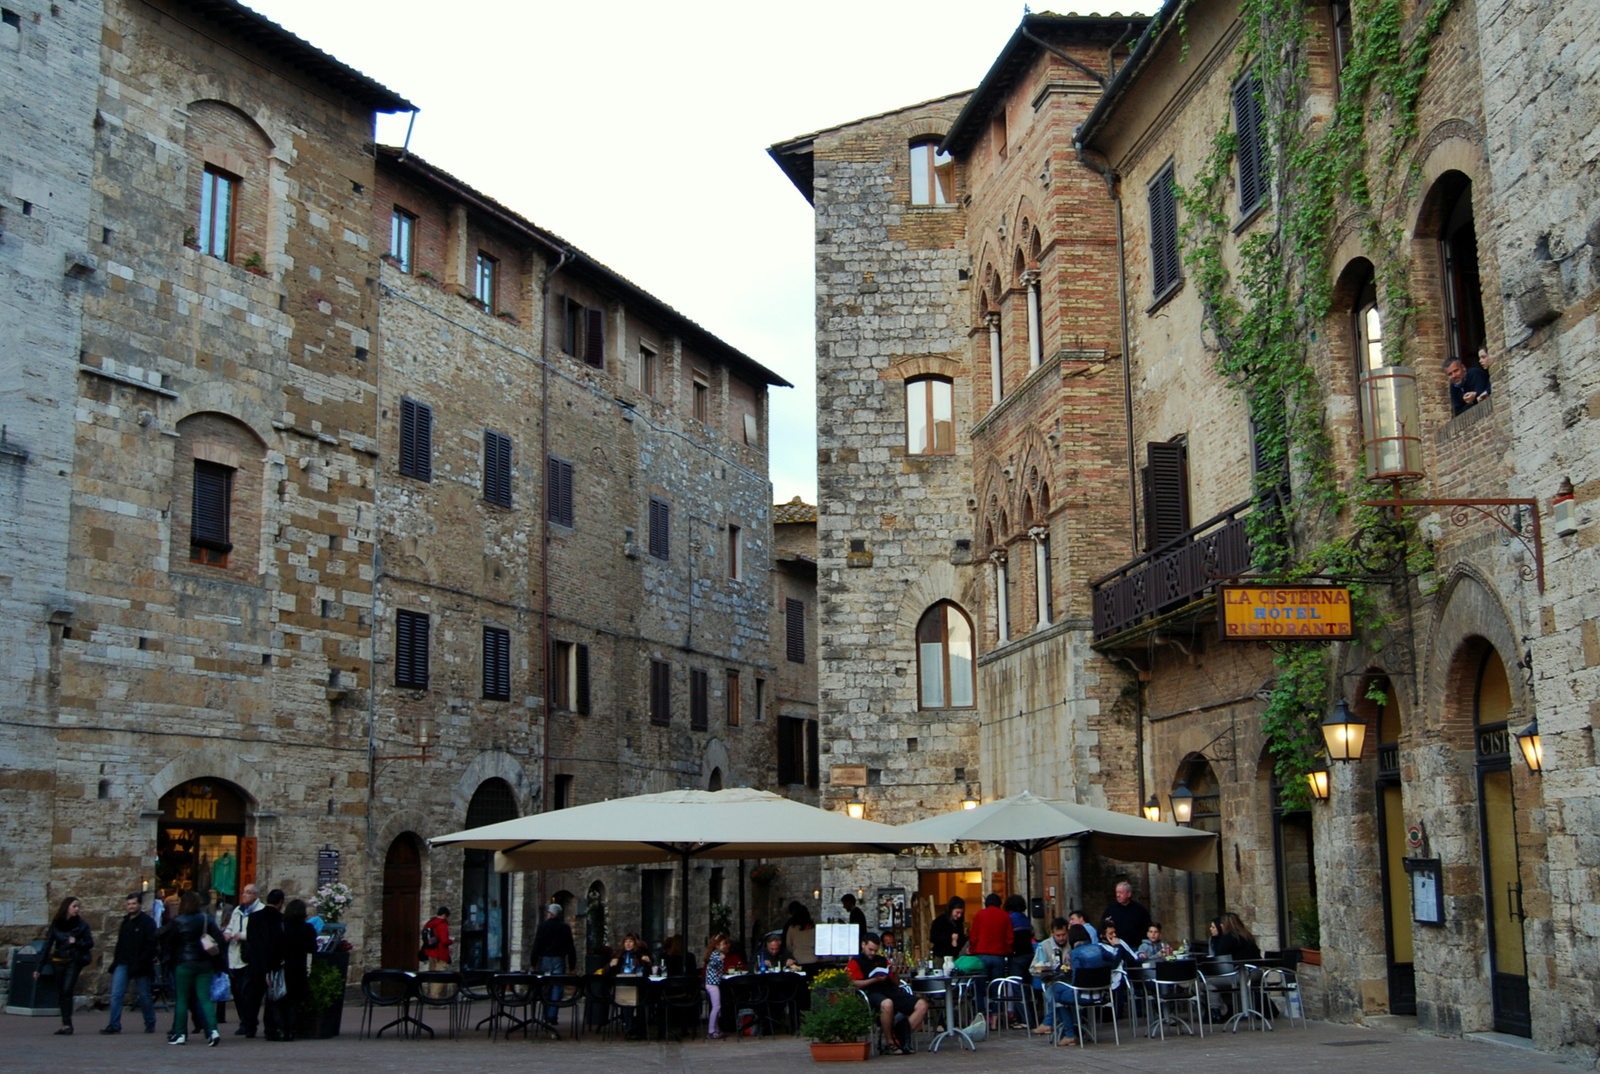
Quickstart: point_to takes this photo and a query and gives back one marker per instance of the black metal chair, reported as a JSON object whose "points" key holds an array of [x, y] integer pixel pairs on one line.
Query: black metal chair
{"points": [[440, 990], [385, 989], [1280, 976], [475, 988], [561, 992], [514, 996], [1090, 990], [681, 1000], [600, 1010], [1177, 984], [781, 996]]}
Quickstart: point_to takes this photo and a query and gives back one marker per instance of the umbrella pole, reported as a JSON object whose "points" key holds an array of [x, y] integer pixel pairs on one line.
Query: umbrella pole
{"points": [[683, 927], [744, 938]]}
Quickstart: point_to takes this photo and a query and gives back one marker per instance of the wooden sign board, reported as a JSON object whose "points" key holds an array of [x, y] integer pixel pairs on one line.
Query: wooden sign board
{"points": [[247, 861], [848, 775], [1284, 613]]}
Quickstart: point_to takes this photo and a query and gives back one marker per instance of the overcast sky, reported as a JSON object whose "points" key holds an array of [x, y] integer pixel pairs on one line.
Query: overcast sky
{"points": [[638, 131]]}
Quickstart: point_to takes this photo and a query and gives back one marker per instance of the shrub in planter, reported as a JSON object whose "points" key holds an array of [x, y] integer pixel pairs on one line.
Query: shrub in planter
{"points": [[837, 1014]]}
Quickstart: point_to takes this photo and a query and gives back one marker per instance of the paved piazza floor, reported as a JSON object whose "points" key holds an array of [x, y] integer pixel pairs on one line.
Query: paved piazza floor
{"points": [[28, 1044]]}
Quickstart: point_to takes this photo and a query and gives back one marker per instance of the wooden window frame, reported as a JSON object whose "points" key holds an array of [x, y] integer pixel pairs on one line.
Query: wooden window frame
{"points": [[212, 180], [701, 403], [403, 237], [561, 791], [485, 280], [660, 528], [934, 383], [794, 629], [926, 167], [1166, 266], [732, 699], [649, 358], [583, 332], [497, 468], [941, 609], [1250, 139], [559, 507], [1165, 478], [411, 645], [569, 677], [735, 552], [416, 439], [760, 711], [496, 663]]}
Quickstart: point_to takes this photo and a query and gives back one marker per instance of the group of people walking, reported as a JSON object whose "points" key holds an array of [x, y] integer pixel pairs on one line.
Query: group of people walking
{"points": [[260, 958]]}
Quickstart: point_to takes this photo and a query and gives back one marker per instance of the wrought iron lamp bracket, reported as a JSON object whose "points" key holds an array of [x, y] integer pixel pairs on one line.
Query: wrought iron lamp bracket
{"points": [[1505, 513]]}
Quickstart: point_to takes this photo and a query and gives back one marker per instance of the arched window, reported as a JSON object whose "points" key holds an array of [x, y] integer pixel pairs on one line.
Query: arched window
{"points": [[944, 658], [1368, 327], [930, 423], [933, 174]]}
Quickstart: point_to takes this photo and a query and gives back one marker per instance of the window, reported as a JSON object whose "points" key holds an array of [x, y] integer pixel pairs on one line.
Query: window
{"points": [[735, 552], [497, 468], [944, 658], [1166, 493], [1369, 328], [997, 133], [702, 400], [930, 427], [402, 237], [584, 332], [416, 440], [484, 281], [1165, 270], [660, 528], [569, 677], [732, 701], [699, 702], [1251, 135], [217, 197], [411, 650], [1047, 611], [209, 521], [496, 664], [660, 692], [761, 700], [797, 751], [933, 175], [561, 792], [647, 369], [558, 491], [1463, 294], [1340, 11], [794, 621]]}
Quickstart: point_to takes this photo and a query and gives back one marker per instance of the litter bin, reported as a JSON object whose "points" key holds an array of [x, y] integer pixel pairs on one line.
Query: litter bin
{"points": [[29, 996]]}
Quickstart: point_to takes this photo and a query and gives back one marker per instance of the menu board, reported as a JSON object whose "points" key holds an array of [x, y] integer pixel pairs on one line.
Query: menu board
{"points": [[838, 941]]}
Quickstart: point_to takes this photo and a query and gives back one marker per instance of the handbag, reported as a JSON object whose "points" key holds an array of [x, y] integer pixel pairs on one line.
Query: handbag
{"points": [[276, 987], [207, 944], [221, 988]]}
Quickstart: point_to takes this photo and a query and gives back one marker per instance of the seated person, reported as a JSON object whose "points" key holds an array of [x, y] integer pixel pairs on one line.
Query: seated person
{"points": [[892, 953], [635, 960], [1153, 947], [773, 956], [1120, 952], [1050, 959], [1084, 953], [1469, 385], [871, 972], [1230, 939], [1078, 917]]}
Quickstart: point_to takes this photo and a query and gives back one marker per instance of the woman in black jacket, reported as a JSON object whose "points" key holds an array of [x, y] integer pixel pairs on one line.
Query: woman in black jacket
{"points": [[195, 967], [68, 944], [299, 944]]}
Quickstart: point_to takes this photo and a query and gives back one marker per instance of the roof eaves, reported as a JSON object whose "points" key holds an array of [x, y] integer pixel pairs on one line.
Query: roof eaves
{"points": [[1161, 24]]}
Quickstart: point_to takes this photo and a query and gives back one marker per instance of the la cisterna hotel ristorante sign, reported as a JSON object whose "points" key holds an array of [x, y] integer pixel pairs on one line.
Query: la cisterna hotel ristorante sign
{"points": [[1284, 612]]}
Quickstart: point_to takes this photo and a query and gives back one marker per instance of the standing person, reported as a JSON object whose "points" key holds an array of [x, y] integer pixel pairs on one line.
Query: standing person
{"points": [[299, 944], [1021, 936], [853, 913], [800, 934], [991, 941], [191, 930], [553, 952], [249, 982], [948, 935], [438, 928], [264, 951], [133, 957], [1131, 918], [68, 946], [716, 959]]}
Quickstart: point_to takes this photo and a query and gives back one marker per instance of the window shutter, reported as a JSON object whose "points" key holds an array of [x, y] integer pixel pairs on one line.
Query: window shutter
{"points": [[697, 699], [1166, 492], [660, 529], [788, 761], [558, 491], [497, 468], [1164, 265], [583, 681], [594, 338], [812, 774], [496, 664], [1250, 136], [213, 491], [794, 614], [411, 650], [660, 692], [416, 439]]}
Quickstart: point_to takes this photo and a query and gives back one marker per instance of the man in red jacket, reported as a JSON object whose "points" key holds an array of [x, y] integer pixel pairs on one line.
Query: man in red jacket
{"points": [[991, 940]]}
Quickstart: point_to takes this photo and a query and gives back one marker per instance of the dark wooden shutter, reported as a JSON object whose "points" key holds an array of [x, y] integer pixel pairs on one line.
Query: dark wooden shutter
{"points": [[582, 704], [789, 750], [411, 650], [1166, 499], [496, 664], [660, 529], [594, 338], [1250, 135], [794, 617], [660, 692], [416, 440], [1164, 265], [497, 468], [698, 701], [812, 760], [213, 493], [558, 491]]}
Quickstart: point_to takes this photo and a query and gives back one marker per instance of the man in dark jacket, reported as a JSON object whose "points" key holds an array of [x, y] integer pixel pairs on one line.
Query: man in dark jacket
{"points": [[262, 945], [553, 951], [1132, 919], [133, 960], [948, 935]]}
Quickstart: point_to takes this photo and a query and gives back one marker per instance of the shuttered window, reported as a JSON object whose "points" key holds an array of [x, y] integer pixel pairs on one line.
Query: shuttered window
{"points": [[569, 676], [1250, 134], [794, 621], [699, 702], [733, 701], [411, 650], [496, 664], [584, 332], [791, 750], [497, 468], [580, 679], [812, 758], [211, 505], [660, 692], [1165, 270], [660, 528], [1166, 493], [558, 491], [594, 338], [416, 440]]}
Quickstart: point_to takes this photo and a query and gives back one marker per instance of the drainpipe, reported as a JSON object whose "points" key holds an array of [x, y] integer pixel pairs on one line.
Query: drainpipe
{"points": [[544, 531]]}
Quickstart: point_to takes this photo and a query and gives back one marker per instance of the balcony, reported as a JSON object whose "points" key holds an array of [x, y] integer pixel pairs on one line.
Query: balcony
{"points": [[1173, 575]]}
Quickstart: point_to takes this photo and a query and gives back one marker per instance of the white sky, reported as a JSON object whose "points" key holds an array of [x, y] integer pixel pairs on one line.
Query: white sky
{"points": [[638, 131]]}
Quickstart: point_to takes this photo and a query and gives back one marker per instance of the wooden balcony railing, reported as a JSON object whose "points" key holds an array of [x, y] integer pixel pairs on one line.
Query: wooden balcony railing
{"points": [[1174, 574]]}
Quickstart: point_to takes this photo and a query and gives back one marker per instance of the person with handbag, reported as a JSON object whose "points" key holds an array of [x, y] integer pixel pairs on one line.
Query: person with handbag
{"points": [[197, 947], [299, 945], [68, 947], [264, 950]]}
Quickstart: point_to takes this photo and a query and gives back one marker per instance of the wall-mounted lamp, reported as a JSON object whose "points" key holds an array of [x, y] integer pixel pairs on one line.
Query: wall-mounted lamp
{"points": [[1344, 732], [970, 801], [855, 807], [1182, 799], [1563, 508], [424, 740], [1532, 747], [1318, 780], [1152, 809]]}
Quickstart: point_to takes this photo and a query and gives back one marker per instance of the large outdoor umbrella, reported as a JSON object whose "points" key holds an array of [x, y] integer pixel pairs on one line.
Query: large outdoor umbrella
{"points": [[1027, 824], [677, 826]]}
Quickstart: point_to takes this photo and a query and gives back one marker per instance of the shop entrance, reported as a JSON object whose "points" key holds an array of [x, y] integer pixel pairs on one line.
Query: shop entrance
{"points": [[486, 920], [402, 902], [200, 845], [1501, 873]]}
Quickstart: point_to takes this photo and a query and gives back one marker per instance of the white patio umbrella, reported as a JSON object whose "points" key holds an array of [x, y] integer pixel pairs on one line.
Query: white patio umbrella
{"points": [[676, 826]]}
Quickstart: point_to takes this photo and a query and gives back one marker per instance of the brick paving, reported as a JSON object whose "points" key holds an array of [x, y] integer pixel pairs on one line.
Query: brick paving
{"points": [[29, 1046]]}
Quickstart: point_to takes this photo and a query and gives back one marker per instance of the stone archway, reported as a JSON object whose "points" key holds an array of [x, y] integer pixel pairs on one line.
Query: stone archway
{"points": [[402, 902]]}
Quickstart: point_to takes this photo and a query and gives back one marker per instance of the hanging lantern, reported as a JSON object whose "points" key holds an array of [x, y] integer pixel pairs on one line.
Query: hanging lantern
{"points": [[1532, 747], [1182, 799], [1152, 809], [1318, 779], [1344, 732]]}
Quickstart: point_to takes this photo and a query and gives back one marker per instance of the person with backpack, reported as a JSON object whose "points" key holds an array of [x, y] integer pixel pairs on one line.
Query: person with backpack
{"points": [[436, 940]]}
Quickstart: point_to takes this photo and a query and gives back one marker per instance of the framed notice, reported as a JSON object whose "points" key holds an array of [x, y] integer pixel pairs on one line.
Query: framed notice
{"points": [[891, 908], [838, 941], [1284, 613], [1427, 892]]}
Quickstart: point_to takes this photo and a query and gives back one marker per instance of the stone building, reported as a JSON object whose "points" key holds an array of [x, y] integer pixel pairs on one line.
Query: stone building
{"points": [[327, 537]]}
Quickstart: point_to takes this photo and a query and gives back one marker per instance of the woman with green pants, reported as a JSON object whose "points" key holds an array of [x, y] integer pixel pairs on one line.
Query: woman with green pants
{"points": [[191, 931]]}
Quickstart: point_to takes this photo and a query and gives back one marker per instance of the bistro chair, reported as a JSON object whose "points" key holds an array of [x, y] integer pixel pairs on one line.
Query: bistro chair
{"points": [[1004, 992], [562, 992], [514, 996], [1090, 989], [440, 990], [1219, 979], [681, 1000], [382, 990], [1178, 984], [781, 998], [1280, 977], [600, 1010], [475, 988]]}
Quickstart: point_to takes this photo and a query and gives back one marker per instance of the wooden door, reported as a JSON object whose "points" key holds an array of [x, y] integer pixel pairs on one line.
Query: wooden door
{"points": [[402, 903]]}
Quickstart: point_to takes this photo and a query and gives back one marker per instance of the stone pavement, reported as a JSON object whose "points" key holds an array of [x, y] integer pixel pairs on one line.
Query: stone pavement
{"points": [[28, 1046]]}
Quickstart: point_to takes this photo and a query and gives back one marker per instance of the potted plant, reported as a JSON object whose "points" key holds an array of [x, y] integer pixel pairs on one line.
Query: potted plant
{"points": [[322, 1013], [764, 874], [191, 238], [838, 1019], [1307, 921], [256, 263], [509, 317]]}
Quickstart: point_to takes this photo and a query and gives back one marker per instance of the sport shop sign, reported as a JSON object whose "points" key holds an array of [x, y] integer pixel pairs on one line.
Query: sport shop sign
{"points": [[1285, 613]]}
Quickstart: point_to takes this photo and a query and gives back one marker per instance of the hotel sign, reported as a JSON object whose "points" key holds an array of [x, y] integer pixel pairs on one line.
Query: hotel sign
{"points": [[1285, 613]]}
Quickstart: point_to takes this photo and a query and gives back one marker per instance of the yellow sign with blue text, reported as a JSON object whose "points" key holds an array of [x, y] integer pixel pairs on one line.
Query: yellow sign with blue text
{"points": [[1285, 612]]}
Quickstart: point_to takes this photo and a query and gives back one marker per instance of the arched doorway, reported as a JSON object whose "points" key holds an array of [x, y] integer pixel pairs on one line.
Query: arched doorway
{"points": [[1294, 860], [201, 844], [1384, 716], [486, 894], [1205, 890], [1502, 875], [402, 902]]}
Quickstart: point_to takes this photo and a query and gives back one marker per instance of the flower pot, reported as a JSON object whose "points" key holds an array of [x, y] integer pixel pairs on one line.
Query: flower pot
{"points": [[854, 1051], [1311, 956]]}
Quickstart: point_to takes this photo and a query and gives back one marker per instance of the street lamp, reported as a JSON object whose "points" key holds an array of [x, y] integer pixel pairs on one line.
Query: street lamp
{"points": [[969, 802], [1344, 732], [1152, 809], [1532, 747], [1182, 799], [856, 807], [1318, 779]]}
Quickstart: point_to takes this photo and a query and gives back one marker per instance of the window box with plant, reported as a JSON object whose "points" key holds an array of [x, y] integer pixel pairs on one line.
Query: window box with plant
{"points": [[838, 1021]]}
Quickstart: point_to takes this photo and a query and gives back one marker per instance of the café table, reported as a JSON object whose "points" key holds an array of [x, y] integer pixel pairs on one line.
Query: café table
{"points": [[932, 985]]}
